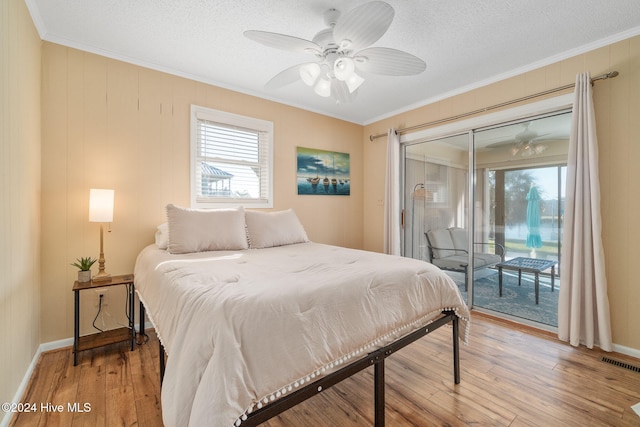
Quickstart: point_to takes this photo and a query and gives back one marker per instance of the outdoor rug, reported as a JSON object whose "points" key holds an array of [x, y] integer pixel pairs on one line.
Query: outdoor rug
{"points": [[518, 301]]}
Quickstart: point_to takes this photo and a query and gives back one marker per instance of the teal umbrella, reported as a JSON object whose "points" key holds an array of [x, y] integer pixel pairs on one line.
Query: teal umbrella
{"points": [[533, 219]]}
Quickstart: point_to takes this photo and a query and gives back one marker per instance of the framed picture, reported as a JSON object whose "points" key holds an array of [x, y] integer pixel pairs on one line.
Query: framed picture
{"points": [[323, 173]]}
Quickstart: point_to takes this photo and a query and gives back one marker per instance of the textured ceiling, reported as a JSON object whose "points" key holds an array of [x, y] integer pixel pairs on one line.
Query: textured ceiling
{"points": [[465, 43]]}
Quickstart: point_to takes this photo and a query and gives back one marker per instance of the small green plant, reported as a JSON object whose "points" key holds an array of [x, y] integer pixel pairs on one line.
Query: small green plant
{"points": [[84, 264]]}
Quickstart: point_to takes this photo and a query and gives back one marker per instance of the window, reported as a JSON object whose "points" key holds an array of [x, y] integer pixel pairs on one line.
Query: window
{"points": [[231, 160]]}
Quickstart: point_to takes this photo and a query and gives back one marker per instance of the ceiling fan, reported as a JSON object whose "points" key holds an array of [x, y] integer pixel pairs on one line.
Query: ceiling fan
{"points": [[341, 52], [526, 144]]}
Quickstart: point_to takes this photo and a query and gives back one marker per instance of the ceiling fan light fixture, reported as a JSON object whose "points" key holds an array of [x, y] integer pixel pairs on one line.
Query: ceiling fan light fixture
{"points": [[344, 68], [309, 73], [353, 82], [539, 148], [528, 149], [323, 87]]}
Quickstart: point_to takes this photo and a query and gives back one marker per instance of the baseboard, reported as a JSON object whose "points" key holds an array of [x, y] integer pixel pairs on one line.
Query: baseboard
{"points": [[55, 345], [44, 347], [628, 351], [549, 331], [23, 384]]}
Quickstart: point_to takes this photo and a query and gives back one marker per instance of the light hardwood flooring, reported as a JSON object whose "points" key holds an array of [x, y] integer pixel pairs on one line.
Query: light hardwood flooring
{"points": [[511, 376]]}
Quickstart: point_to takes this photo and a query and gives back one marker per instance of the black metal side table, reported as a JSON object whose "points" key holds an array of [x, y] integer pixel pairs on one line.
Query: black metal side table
{"points": [[86, 342]]}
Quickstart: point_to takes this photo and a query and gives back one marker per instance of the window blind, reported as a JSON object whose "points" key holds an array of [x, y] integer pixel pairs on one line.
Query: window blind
{"points": [[231, 160]]}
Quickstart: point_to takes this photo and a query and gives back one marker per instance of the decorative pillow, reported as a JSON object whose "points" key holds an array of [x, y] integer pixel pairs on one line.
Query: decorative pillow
{"points": [[269, 229], [162, 236], [198, 230]]}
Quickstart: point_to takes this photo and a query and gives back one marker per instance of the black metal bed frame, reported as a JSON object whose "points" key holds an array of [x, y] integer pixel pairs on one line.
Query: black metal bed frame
{"points": [[375, 358]]}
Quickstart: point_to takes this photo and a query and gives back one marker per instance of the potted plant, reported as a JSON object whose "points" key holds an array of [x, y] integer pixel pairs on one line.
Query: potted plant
{"points": [[84, 264]]}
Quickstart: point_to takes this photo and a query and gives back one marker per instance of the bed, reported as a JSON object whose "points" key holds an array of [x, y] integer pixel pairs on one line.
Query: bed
{"points": [[254, 316]]}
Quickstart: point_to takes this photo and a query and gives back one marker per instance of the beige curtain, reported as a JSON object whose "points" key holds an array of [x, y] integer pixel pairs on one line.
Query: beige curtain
{"points": [[392, 195], [583, 306]]}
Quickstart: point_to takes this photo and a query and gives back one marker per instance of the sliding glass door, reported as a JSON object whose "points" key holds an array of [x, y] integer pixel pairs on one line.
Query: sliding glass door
{"points": [[436, 190], [499, 191]]}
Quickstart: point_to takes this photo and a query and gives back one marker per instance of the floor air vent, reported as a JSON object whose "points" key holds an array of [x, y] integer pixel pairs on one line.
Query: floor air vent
{"points": [[621, 364]]}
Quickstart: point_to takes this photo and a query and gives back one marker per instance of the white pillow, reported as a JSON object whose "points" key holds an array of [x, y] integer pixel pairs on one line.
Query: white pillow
{"points": [[269, 229], [198, 230], [162, 236]]}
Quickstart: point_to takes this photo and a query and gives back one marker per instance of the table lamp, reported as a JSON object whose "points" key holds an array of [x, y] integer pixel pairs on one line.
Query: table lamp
{"points": [[101, 210]]}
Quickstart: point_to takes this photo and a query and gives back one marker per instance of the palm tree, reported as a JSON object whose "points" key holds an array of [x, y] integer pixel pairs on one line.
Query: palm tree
{"points": [[517, 184]]}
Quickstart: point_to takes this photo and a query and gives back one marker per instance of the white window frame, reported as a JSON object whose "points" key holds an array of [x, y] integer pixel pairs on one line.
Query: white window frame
{"points": [[233, 121]]}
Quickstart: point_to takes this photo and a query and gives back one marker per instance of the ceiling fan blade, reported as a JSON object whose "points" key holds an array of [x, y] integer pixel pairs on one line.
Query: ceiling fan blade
{"points": [[538, 136], [283, 41], [340, 92], [388, 62], [501, 144], [284, 78], [363, 26]]}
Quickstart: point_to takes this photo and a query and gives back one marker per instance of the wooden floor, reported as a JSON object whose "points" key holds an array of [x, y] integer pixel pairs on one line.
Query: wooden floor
{"points": [[511, 376]]}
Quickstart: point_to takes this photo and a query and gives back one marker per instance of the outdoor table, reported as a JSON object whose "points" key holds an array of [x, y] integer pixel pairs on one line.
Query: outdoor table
{"points": [[529, 265]]}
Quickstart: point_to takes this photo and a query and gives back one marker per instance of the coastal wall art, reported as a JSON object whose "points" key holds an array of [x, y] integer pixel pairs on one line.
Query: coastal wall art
{"points": [[323, 173]]}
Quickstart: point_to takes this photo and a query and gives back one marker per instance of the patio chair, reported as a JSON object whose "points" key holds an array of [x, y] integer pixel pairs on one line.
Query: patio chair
{"points": [[449, 250]]}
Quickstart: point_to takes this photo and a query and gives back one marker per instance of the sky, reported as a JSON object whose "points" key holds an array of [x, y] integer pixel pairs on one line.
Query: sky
{"points": [[547, 181]]}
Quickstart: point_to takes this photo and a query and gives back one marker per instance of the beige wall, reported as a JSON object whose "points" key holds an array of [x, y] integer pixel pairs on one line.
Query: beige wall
{"points": [[108, 124], [617, 105], [19, 195]]}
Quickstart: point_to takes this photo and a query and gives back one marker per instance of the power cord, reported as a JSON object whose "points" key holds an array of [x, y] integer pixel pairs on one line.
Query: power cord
{"points": [[127, 313], [98, 313]]}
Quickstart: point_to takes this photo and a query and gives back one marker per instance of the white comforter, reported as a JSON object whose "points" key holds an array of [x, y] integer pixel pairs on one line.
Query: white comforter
{"points": [[242, 328]]}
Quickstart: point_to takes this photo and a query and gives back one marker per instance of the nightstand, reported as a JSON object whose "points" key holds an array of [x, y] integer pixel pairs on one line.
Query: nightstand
{"points": [[86, 342]]}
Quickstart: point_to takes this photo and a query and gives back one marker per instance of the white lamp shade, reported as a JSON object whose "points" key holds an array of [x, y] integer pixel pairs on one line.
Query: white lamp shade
{"points": [[353, 82], [323, 87], [343, 68], [309, 73], [101, 205], [539, 148]]}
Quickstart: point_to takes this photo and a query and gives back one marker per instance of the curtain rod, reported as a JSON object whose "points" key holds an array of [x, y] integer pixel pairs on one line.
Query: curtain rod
{"points": [[609, 75]]}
